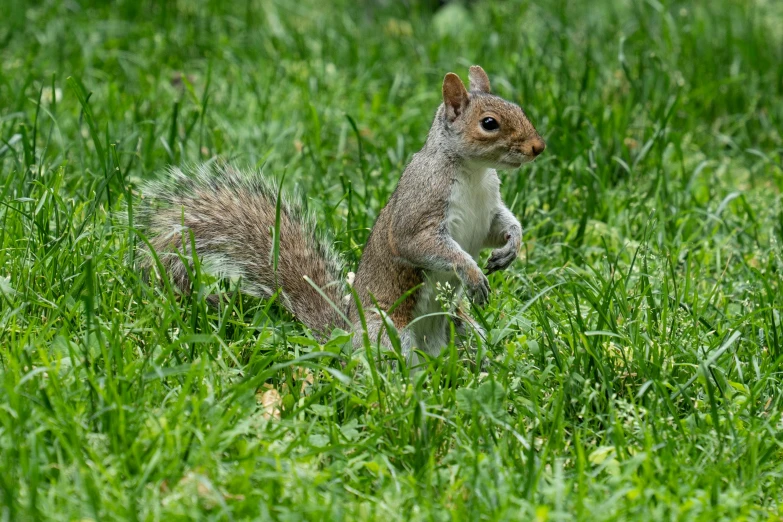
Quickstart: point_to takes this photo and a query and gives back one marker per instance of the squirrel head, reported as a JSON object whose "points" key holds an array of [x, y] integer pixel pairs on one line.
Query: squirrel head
{"points": [[486, 128]]}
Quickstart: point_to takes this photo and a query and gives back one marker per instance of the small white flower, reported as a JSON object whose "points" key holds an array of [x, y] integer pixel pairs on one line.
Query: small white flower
{"points": [[5, 286], [48, 95]]}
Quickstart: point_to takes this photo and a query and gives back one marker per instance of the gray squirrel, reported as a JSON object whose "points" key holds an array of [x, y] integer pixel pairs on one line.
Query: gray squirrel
{"points": [[445, 210]]}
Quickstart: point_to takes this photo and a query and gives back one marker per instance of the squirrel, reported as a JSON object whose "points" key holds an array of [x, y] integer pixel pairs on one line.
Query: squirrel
{"points": [[445, 209]]}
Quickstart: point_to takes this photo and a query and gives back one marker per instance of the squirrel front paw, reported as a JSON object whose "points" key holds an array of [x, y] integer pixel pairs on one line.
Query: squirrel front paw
{"points": [[502, 258], [476, 285]]}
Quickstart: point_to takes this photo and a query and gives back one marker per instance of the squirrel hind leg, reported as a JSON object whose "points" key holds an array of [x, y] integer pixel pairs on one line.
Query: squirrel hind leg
{"points": [[378, 333]]}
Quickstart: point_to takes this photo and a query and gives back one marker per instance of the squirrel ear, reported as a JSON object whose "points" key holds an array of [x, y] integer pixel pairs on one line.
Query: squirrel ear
{"points": [[455, 96], [479, 81]]}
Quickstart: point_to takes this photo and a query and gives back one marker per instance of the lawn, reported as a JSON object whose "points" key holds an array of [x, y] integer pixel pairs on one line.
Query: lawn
{"points": [[635, 349]]}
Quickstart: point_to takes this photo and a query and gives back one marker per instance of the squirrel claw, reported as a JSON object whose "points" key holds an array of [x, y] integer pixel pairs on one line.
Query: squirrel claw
{"points": [[501, 259], [479, 291]]}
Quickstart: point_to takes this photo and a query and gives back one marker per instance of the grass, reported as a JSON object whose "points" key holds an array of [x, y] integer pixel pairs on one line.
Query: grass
{"points": [[636, 348]]}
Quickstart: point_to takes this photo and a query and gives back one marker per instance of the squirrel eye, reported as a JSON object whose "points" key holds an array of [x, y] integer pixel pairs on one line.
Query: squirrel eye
{"points": [[490, 124]]}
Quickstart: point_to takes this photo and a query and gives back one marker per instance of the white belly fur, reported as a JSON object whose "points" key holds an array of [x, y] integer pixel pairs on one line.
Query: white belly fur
{"points": [[474, 199], [471, 207]]}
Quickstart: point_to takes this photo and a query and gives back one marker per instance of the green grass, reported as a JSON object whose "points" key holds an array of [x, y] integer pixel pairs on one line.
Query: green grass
{"points": [[636, 348]]}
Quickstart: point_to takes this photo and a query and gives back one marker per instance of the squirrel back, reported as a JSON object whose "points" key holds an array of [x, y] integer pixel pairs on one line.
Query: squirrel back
{"points": [[231, 217]]}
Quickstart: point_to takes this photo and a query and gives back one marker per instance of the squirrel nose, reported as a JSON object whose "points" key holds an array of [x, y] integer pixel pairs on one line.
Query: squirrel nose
{"points": [[537, 147]]}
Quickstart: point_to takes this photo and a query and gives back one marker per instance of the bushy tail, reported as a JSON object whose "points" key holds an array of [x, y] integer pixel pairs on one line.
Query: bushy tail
{"points": [[231, 216]]}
